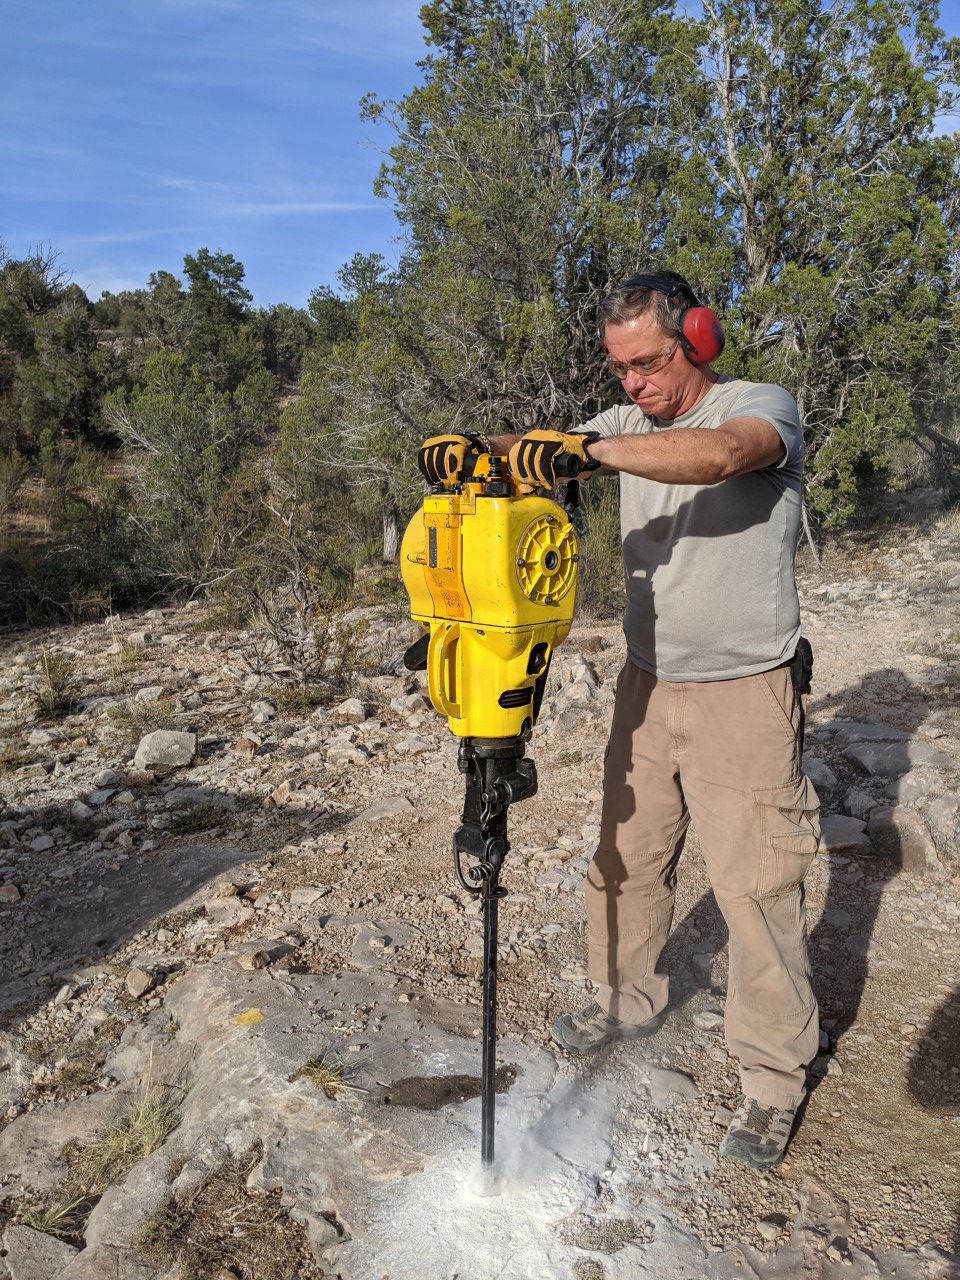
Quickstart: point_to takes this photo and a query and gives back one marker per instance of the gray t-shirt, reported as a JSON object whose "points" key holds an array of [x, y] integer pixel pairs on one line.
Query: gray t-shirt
{"points": [[711, 591]]}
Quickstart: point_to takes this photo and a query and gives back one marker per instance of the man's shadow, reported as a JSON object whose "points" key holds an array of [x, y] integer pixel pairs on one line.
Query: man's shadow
{"points": [[840, 942], [933, 1076], [934, 1073]]}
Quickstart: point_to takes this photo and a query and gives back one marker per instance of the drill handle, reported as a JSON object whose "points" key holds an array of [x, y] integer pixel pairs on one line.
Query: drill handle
{"points": [[566, 466]]}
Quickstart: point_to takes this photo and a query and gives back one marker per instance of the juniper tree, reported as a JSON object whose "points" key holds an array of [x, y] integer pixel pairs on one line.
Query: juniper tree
{"points": [[818, 203]]}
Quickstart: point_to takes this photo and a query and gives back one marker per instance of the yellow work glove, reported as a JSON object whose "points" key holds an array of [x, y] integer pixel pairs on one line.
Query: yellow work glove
{"points": [[441, 458], [542, 457]]}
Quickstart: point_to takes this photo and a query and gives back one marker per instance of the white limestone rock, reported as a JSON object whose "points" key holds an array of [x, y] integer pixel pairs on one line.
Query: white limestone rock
{"points": [[169, 747]]}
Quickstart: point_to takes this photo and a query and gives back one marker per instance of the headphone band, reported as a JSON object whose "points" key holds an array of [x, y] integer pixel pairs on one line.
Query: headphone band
{"points": [[669, 288]]}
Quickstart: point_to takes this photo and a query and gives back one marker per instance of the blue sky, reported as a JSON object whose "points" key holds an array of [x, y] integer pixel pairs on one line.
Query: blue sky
{"points": [[133, 132]]}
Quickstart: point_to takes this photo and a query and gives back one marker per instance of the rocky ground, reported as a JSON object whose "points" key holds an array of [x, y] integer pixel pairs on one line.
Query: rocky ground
{"points": [[263, 938]]}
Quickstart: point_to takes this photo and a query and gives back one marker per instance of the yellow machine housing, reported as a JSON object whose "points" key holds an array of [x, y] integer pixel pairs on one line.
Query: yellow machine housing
{"points": [[491, 573]]}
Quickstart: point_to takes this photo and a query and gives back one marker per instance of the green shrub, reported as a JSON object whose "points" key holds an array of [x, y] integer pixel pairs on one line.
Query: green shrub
{"points": [[13, 471], [56, 694], [600, 586]]}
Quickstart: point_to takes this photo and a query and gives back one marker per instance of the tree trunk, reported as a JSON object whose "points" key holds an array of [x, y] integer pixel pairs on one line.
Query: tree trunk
{"points": [[391, 537]]}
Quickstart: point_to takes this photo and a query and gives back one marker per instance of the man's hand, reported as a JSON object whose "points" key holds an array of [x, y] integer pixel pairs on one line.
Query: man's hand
{"points": [[540, 457], [441, 457]]}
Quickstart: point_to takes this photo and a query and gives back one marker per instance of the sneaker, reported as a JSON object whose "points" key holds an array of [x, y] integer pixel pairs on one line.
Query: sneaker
{"points": [[593, 1027], [758, 1135]]}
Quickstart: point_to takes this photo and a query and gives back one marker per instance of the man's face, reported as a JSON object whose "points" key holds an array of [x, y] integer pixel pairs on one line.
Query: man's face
{"points": [[672, 389]]}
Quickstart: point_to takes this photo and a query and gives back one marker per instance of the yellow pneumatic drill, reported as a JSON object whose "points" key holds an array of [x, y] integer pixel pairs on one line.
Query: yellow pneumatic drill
{"points": [[490, 567]]}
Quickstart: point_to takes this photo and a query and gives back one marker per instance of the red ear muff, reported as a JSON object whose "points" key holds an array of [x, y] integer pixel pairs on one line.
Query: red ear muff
{"points": [[703, 336]]}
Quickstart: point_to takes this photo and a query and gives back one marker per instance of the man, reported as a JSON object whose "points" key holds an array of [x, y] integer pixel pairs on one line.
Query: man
{"points": [[708, 716]]}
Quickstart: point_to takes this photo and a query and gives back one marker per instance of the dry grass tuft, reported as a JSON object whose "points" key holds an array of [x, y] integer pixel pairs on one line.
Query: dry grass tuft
{"points": [[136, 719], [128, 657], [147, 1123], [948, 524], [177, 920], [199, 817], [298, 699], [65, 1217], [221, 1225], [65, 1055], [71, 1080], [328, 1076], [12, 758]]}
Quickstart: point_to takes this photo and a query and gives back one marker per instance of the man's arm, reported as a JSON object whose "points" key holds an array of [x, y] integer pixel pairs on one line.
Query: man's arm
{"points": [[503, 444], [693, 455], [684, 455]]}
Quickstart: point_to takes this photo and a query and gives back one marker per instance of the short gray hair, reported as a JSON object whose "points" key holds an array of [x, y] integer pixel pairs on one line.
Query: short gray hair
{"points": [[632, 299]]}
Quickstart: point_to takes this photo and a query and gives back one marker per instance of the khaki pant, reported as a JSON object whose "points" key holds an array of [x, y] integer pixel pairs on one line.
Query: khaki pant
{"points": [[725, 753]]}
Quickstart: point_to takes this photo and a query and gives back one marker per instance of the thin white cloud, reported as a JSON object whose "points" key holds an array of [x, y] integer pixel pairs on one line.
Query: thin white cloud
{"points": [[368, 32], [180, 184], [270, 208], [228, 6], [131, 237], [13, 145], [223, 200]]}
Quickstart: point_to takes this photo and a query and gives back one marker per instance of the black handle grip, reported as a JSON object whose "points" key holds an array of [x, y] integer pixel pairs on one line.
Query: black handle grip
{"points": [[566, 466]]}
